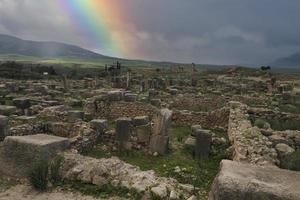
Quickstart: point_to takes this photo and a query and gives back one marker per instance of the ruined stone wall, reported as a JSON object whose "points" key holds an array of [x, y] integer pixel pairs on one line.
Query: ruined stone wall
{"points": [[115, 109], [248, 143], [212, 120], [272, 114]]}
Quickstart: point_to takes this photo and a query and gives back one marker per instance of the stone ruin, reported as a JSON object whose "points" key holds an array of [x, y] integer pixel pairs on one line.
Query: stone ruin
{"points": [[253, 172]]}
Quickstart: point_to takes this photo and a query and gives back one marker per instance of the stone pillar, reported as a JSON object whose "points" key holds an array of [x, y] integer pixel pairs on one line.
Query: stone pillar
{"points": [[23, 104], [3, 127], [159, 141], [124, 128], [142, 129], [203, 143], [65, 83]]}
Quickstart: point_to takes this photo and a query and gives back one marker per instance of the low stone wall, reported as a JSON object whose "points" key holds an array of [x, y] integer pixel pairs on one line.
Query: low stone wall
{"points": [[248, 143], [115, 109], [271, 114], [211, 120]]}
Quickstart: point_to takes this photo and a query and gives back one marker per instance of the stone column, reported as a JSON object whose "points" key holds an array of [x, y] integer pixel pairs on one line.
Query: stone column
{"points": [[159, 141], [124, 128], [3, 127], [203, 143]]}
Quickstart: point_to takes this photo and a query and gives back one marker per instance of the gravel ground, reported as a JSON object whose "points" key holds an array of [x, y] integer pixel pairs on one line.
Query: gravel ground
{"points": [[24, 192]]}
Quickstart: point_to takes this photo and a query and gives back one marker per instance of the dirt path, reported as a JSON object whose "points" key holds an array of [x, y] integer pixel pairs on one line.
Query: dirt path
{"points": [[23, 192]]}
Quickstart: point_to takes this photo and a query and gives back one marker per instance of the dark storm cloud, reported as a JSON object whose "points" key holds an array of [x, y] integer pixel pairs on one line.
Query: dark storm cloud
{"points": [[203, 31]]}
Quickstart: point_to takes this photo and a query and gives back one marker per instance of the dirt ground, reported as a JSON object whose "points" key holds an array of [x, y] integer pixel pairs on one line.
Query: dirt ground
{"points": [[24, 192]]}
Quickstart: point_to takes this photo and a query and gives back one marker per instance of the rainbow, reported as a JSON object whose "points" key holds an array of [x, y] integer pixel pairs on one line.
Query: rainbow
{"points": [[101, 22]]}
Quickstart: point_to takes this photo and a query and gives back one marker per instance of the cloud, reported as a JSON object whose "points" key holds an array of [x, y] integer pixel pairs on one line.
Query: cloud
{"points": [[206, 31]]}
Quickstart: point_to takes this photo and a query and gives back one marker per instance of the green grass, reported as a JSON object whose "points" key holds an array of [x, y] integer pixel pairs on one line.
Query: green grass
{"points": [[5, 184], [105, 191], [199, 173], [295, 109], [282, 125], [277, 124]]}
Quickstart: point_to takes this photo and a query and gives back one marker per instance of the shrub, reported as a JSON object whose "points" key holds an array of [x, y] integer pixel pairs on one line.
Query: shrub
{"points": [[292, 161], [260, 123], [38, 175], [54, 176]]}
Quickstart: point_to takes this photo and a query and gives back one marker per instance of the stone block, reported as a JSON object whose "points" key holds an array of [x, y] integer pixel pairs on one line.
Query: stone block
{"points": [[99, 125], [24, 151], [194, 129], [115, 95], [22, 103], [3, 127], [74, 115], [7, 110], [203, 143], [159, 144], [140, 120], [162, 122], [237, 181], [124, 128], [129, 97], [143, 133]]}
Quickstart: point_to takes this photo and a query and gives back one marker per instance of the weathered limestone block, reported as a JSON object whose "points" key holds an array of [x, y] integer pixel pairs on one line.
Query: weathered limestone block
{"points": [[159, 144], [7, 110], [162, 122], [283, 150], [203, 143], [99, 125], [22, 103], [3, 127], [155, 102], [24, 151], [140, 120], [124, 130], [129, 97], [74, 115], [237, 181], [116, 95], [194, 129], [190, 144], [143, 133]]}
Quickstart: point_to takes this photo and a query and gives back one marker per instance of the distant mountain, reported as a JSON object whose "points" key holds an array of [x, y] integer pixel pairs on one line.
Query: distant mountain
{"points": [[17, 46], [290, 61]]}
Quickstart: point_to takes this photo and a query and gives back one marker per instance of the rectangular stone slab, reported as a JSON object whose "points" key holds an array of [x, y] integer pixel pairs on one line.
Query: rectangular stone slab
{"points": [[24, 151], [237, 181]]}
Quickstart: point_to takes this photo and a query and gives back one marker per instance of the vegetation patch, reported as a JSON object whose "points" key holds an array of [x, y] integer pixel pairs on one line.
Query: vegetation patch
{"points": [[292, 161], [178, 164], [38, 175], [104, 191], [5, 184]]}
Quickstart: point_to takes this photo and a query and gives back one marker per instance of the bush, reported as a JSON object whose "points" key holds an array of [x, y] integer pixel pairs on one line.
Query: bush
{"points": [[260, 123], [38, 175], [292, 161], [54, 176]]}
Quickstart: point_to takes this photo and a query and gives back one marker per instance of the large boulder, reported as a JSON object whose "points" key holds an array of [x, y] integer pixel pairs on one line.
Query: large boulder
{"points": [[24, 151], [237, 181]]}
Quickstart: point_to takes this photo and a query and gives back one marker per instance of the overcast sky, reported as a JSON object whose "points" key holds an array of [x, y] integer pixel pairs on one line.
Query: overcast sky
{"points": [[201, 31]]}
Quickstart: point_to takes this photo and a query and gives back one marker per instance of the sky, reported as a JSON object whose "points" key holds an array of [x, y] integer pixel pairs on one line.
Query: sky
{"points": [[199, 31]]}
